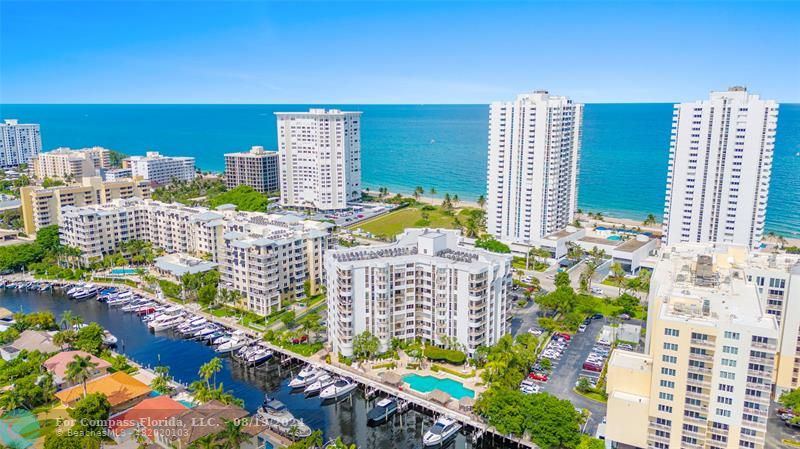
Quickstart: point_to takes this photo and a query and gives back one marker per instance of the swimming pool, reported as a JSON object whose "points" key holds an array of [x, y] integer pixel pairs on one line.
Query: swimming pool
{"points": [[123, 271], [614, 237], [426, 384]]}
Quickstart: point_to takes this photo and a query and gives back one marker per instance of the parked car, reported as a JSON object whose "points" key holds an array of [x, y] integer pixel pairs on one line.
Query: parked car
{"points": [[582, 328], [535, 331], [597, 290], [564, 335], [299, 340], [592, 367], [596, 316], [625, 316], [538, 376], [625, 346]]}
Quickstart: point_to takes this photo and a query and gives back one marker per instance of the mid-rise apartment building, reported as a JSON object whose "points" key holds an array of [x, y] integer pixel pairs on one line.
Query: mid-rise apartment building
{"points": [[532, 179], [425, 285], [256, 168], [42, 207], [68, 163], [265, 257], [159, 169], [320, 158], [706, 377], [720, 163], [20, 143]]}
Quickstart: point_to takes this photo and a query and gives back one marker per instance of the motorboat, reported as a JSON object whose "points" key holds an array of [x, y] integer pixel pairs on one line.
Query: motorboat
{"points": [[134, 305], [109, 339], [260, 355], [238, 339], [222, 339], [44, 287], [339, 389], [278, 418], [146, 309], [119, 300], [206, 330], [172, 315], [87, 292], [443, 430], [169, 322], [214, 335], [192, 326], [383, 410], [320, 384], [71, 290], [305, 378]]}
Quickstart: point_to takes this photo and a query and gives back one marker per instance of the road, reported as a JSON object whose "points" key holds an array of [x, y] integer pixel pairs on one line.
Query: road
{"points": [[547, 277]]}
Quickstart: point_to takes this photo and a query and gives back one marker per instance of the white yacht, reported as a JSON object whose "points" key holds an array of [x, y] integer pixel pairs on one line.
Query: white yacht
{"points": [[167, 319], [441, 432], [305, 378], [320, 384], [238, 339], [339, 389], [278, 418]]}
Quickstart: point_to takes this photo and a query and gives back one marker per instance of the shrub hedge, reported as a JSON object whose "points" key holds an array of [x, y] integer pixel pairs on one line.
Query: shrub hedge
{"points": [[445, 355]]}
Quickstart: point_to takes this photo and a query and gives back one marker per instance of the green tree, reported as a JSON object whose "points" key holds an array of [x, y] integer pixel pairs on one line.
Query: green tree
{"points": [[489, 243], [365, 346], [63, 440], [650, 220], [89, 338], [617, 276], [233, 435], [210, 369], [90, 414], [418, 192], [562, 279], [79, 370], [162, 383]]}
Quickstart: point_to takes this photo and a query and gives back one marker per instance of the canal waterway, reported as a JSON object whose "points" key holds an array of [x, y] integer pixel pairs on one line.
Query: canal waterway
{"points": [[347, 419]]}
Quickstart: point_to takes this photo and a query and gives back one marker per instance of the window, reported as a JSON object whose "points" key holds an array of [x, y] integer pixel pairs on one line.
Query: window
{"points": [[665, 396], [724, 400], [728, 362], [668, 409], [731, 335], [668, 371], [730, 350], [667, 384], [670, 346], [671, 332], [727, 375], [669, 359], [723, 412]]}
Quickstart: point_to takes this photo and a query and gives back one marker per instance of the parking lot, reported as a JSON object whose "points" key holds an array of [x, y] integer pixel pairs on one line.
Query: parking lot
{"points": [[566, 370], [777, 431]]}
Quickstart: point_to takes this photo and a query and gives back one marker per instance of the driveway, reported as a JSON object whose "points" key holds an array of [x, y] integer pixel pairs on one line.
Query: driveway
{"points": [[524, 318], [565, 373]]}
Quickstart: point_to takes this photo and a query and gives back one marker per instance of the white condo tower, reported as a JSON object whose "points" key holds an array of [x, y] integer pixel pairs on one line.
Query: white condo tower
{"points": [[532, 179], [320, 158], [720, 162]]}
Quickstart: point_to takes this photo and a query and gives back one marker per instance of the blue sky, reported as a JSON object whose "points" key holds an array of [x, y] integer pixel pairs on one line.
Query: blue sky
{"points": [[384, 52]]}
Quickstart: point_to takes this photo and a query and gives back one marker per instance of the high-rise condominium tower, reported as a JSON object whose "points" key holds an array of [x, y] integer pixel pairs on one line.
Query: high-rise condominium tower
{"points": [[320, 158], [720, 162], [532, 180], [19, 143]]}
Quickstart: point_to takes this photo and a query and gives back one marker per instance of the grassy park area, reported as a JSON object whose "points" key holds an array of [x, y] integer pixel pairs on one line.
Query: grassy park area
{"points": [[416, 216]]}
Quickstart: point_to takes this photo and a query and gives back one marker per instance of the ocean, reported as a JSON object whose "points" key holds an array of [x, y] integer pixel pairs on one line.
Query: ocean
{"points": [[623, 158]]}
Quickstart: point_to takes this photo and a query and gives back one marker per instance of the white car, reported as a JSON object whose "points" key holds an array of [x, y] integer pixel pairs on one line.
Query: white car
{"points": [[535, 331], [582, 328], [597, 290]]}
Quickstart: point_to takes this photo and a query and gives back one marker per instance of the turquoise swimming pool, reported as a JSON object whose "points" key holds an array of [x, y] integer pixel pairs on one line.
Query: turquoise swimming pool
{"points": [[614, 237], [123, 271], [426, 384]]}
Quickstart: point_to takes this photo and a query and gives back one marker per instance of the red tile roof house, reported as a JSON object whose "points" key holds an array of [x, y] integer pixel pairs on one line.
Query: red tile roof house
{"points": [[57, 365], [145, 416]]}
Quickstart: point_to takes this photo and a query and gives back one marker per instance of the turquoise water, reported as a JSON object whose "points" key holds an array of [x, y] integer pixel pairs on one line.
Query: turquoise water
{"points": [[426, 384], [123, 271], [614, 237], [623, 157]]}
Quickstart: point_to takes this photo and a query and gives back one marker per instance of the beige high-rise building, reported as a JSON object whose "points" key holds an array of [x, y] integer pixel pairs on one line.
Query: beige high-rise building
{"points": [[256, 168], [42, 207], [707, 375], [65, 162]]}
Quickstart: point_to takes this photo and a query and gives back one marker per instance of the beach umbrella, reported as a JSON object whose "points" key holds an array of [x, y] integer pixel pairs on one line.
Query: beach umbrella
{"points": [[439, 396]]}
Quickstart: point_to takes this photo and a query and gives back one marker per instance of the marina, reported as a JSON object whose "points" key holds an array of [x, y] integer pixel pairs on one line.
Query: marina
{"points": [[337, 402]]}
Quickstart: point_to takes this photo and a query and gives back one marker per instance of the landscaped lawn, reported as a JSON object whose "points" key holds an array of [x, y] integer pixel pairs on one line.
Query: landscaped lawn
{"points": [[394, 223]]}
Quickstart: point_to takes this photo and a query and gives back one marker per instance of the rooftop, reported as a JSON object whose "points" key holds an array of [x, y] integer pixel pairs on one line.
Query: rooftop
{"points": [[57, 364], [146, 413], [706, 283], [180, 264], [118, 387]]}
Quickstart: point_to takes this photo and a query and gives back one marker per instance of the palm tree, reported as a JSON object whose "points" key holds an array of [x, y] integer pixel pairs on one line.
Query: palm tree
{"points": [[207, 442], [481, 201], [80, 370], [418, 191], [209, 369], [66, 319], [617, 276], [65, 338], [589, 271], [432, 190], [455, 199], [650, 220], [233, 435]]}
